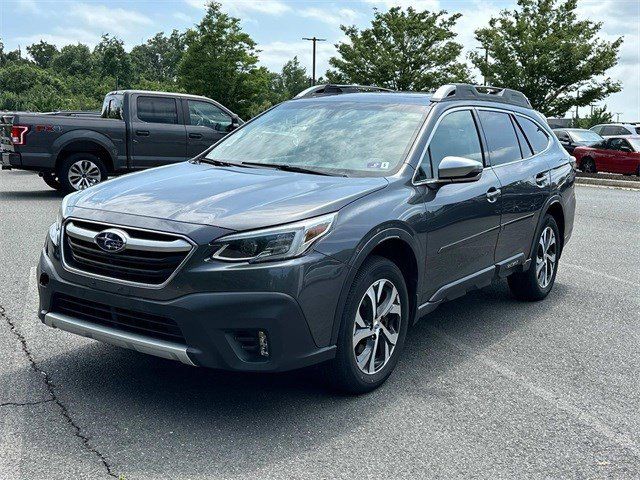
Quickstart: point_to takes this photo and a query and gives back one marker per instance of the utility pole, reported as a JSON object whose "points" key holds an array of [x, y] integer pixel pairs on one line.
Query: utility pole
{"points": [[577, 98], [618, 116], [314, 40], [486, 62]]}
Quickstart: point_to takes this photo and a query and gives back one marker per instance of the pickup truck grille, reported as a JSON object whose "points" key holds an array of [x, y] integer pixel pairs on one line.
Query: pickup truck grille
{"points": [[146, 324], [148, 258]]}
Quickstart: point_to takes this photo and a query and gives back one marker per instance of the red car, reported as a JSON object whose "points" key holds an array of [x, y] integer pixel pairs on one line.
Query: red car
{"points": [[614, 155]]}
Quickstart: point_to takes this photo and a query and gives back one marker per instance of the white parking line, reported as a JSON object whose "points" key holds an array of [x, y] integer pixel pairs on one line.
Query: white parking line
{"points": [[602, 274], [619, 438]]}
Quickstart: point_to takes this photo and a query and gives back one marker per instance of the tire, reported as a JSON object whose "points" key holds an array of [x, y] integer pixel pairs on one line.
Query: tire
{"points": [[588, 165], [73, 166], [344, 372], [535, 284], [51, 180]]}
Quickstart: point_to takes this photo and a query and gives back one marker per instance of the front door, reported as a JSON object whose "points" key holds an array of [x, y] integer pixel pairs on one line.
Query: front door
{"points": [[206, 124], [463, 219], [516, 144], [158, 134]]}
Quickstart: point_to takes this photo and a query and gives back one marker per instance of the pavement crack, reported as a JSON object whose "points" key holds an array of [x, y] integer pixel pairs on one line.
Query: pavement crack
{"points": [[25, 404], [51, 388]]}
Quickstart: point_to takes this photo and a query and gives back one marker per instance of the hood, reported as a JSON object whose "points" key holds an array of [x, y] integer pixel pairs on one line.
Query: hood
{"points": [[234, 198]]}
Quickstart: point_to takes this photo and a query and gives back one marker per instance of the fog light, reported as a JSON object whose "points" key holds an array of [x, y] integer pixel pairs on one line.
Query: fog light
{"points": [[264, 343], [44, 279]]}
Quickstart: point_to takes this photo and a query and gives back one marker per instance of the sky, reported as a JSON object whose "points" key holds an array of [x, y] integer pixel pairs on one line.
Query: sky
{"points": [[279, 25]]}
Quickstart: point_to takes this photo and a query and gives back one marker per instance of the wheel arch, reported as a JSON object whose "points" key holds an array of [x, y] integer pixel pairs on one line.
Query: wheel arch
{"points": [[85, 142], [396, 243], [553, 207]]}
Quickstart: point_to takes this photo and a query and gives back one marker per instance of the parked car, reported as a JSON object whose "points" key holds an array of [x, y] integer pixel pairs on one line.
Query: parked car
{"points": [[607, 130], [333, 89], [570, 138], [135, 130], [614, 155], [316, 232]]}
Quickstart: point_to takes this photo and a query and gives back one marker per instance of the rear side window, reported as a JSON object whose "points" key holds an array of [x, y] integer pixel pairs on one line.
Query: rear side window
{"points": [[157, 110], [537, 137], [502, 141], [456, 135]]}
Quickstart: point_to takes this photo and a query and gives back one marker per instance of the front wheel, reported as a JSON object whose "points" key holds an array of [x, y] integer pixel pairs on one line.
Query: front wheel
{"points": [[80, 171], [536, 283], [373, 328]]}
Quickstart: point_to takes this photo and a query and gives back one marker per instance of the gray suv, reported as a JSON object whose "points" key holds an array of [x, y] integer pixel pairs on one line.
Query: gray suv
{"points": [[318, 232]]}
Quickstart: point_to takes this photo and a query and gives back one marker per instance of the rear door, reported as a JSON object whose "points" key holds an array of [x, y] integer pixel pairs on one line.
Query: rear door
{"points": [[515, 144], [158, 134], [463, 219], [206, 123]]}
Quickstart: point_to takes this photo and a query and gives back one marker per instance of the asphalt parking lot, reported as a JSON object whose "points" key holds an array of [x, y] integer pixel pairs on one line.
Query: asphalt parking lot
{"points": [[488, 387]]}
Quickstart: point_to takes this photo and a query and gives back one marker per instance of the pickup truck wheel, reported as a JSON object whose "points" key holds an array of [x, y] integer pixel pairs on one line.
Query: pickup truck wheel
{"points": [[52, 180], [80, 171], [373, 328]]}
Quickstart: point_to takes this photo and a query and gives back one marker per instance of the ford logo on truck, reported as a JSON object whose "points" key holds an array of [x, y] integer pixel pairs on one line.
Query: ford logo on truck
{"points": [[111, 240]]}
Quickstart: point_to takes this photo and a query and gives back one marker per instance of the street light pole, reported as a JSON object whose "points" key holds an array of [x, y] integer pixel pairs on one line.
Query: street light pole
{"points": [[486, 62], [314, 40]]}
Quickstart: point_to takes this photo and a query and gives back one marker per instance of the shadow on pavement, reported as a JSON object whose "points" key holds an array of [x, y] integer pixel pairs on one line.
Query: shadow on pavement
{"points": [[149, 416]]}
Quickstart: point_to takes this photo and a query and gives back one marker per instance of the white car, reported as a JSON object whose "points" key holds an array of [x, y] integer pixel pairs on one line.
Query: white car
{"points": [[607, 130]]}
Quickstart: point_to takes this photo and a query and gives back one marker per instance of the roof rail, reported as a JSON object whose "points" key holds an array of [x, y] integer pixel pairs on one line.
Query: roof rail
{"points": [[336, 89], [465, 91]]}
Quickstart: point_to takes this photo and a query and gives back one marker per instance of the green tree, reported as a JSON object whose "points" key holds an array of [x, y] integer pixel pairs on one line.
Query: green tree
{"points": [[112, 60], [74, 60], [543, 50], [42, 53], [402, 50], [157, 59], [27, 87], [293, 79], [598, 116], [220, 62]]}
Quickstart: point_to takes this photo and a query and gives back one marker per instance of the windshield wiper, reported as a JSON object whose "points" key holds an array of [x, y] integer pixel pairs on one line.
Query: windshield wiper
{"points": [[293, 168], [220, 163]]}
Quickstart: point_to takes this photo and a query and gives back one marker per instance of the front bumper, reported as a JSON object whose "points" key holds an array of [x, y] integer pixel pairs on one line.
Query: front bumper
{"points": [[207, 320]]}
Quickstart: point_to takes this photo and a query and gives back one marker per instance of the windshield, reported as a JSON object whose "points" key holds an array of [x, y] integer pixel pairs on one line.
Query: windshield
{"points": [[635, 143], [584, 136], [339, 137]]}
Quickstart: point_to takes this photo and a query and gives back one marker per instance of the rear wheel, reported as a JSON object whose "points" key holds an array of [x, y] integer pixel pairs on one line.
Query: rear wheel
{"points": [[588, 165], [373, 328], [51, 180], [537, 281], [80, 171]]}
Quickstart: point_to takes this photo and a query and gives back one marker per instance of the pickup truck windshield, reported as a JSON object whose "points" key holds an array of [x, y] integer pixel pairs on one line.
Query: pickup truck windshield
{"points": [[341, 137]]}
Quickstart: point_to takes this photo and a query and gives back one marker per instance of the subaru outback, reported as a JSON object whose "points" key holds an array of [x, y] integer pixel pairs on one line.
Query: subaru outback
{"points": [[317, 232]]}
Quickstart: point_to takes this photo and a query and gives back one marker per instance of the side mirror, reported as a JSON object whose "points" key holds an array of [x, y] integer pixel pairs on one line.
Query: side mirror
{"points": [[459, 169], [235, 123]]}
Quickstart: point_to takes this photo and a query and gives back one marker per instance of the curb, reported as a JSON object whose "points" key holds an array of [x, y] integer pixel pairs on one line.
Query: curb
{"points": [[607, 182]]}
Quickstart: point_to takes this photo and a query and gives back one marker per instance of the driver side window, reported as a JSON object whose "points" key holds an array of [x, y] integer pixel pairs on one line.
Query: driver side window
{"points": [[457, 136], [204, 114]]}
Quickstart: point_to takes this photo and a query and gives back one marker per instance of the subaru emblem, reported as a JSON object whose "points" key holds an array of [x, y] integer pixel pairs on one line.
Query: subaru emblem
{"points": [[111, 240]]}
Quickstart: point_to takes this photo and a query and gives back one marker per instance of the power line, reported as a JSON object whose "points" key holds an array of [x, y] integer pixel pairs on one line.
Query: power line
{"points": [[314, 40]]}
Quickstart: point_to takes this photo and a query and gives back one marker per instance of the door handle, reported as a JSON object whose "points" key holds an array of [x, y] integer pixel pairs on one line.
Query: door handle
{"points": [[142, 133], [195, 135], [541, 179], [492, 194]]}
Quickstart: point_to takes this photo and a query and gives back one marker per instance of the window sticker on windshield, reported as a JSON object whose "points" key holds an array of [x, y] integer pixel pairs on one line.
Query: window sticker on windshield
{"points": [[378, 165]]}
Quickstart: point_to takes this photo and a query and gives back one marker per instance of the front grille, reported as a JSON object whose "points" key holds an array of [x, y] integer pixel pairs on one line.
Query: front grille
{"points": [[149, 258], [146, 324]]}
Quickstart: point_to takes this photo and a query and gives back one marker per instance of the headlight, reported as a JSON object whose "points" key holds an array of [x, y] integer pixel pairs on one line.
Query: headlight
{"points": [[276, 243], [55, 228]]}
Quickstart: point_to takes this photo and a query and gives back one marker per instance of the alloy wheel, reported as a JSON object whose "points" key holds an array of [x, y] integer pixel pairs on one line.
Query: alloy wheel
{"points": [[83, 174], [546, 257], [377, 326]]}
